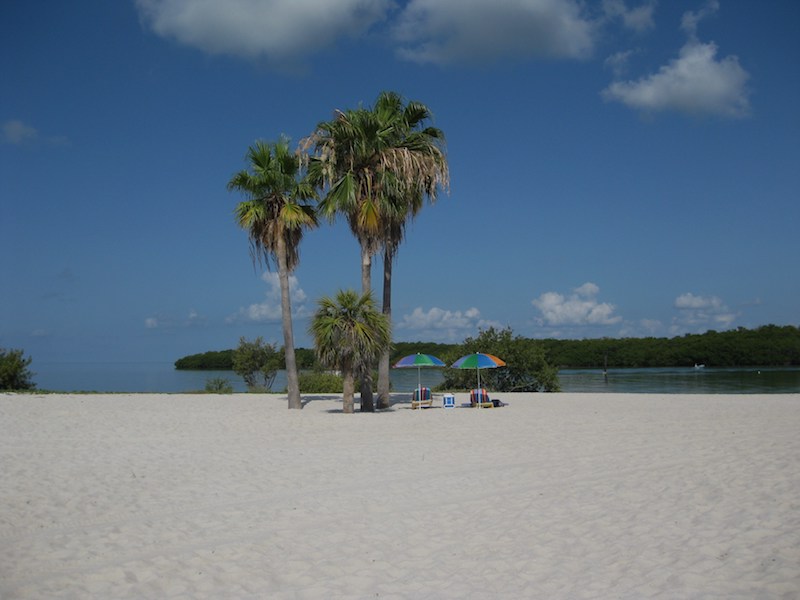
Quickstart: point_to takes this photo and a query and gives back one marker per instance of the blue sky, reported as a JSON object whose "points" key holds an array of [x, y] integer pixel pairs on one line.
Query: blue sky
{"points": [[618, 168]]}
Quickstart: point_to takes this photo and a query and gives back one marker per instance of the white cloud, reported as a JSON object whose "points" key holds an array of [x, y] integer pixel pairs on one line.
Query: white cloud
{"points": [[278, 30], [690, 19], [469, 31], [696, 82], [697, 313], [641, 328], [651, 326], [639, 18], [166, 321], [618, 62], [17, 132], [690, 301], [579, 308], [270, 308], [587, 290], [439, 324]]}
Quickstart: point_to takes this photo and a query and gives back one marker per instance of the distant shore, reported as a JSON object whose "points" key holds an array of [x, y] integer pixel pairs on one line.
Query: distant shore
{"points": [[159, 377], [554, 496]]}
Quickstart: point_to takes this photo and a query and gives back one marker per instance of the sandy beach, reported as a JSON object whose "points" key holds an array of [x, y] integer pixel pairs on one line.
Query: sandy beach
{"points": [[555, 496]]}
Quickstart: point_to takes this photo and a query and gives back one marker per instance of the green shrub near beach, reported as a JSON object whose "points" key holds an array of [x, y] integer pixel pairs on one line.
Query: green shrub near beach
{"points": [[218, 385], [14, 373], [317, 382]]}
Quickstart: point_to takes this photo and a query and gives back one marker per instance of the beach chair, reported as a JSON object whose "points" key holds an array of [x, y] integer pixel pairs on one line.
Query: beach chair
{"points": [[480, 398], [422, 397], [448, 401]]}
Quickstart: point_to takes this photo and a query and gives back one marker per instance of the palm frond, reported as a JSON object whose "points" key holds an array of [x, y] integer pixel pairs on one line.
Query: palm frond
{"points": [[276, 208]]}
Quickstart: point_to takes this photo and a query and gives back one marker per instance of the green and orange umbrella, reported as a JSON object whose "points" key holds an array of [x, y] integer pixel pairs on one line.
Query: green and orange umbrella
{"points": [[478, 361]]}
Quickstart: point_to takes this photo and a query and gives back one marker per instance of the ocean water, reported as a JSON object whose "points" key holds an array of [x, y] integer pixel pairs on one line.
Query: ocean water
{"points": [[751, 380], [164, 378]]}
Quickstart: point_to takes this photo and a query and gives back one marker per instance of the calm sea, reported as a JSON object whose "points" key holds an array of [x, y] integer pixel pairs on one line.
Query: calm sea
{"points": [[163, 377]]}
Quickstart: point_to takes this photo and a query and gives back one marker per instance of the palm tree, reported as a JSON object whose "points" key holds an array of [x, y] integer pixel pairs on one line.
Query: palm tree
{"points": [[349, 332], [275, 216], [405, 201], [377, 165]]}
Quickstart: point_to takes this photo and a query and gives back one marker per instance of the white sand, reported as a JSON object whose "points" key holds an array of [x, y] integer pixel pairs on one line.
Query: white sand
{"points": [[555, 496]]}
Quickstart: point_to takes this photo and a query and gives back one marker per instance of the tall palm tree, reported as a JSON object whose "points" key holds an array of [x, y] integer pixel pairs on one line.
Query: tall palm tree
{"points": [[377, 165], [349, 332], [275, 215], [346, 164], [406, 199]]}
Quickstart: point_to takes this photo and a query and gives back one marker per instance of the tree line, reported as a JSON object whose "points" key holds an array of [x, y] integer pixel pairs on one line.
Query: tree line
{"points": [[765, 346], [769, 345]]}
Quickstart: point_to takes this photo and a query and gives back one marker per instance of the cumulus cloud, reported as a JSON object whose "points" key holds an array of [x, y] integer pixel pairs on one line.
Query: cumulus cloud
{"points": [[618, 62], [691, 19], [639, 18], [278, 30], [165, 321], [439, 324], [690, 301], [696, 313], [270, 308], [696, 82], [579, 308], [641, 328], [651, 326], [469, 31]]}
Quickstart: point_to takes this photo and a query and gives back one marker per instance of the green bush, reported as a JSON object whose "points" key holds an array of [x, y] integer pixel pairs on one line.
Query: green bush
{"points": [[527, 370], [317, 382], [218, 385], [14, 373], [257, 362]]}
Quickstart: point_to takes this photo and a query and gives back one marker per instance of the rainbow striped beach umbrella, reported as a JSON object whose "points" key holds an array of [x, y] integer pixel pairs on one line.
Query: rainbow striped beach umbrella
{"points": [[478, 361], [419, 361]]}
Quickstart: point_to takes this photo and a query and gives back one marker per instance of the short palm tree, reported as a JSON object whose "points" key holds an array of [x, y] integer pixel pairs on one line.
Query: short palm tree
{"points": [[349, 333], [378, 164], [275, 215]]}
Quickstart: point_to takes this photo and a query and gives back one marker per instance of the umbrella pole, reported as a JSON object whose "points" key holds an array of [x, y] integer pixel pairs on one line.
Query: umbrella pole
{"points": [[419, 387], [478, 396]]}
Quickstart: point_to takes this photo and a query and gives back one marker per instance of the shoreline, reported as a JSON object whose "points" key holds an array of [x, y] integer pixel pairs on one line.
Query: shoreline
{"points": [[163, 378], [555, 495]]}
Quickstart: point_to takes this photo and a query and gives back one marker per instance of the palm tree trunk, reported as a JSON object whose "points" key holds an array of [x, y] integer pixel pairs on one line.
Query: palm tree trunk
{"points": [[293, 384], [384, 386], [367, 403], [349, 391]]}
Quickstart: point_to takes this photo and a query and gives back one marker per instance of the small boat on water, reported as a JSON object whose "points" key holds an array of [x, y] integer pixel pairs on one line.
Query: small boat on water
{"points": [[696, 366]]}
